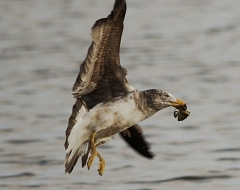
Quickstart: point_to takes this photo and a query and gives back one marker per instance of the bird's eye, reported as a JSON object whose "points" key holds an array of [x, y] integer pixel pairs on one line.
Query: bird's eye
{"points": [[166, 94]]}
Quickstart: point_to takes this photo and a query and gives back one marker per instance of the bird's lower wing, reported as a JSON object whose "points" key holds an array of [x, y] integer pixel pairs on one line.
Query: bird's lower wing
{"points": [[135, 138]]}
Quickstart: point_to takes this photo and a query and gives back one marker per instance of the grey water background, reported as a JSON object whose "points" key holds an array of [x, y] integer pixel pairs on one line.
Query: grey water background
{"points": [[190, 48]]}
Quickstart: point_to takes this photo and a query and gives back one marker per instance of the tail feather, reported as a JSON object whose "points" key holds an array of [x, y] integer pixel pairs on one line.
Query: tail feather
{"points": [[69, 165], [84, 159], [75, 146], [73, 155], [78, 111]]}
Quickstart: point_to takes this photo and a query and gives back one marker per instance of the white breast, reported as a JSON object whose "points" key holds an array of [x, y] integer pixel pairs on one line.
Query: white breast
{"points": [[121, 113]]}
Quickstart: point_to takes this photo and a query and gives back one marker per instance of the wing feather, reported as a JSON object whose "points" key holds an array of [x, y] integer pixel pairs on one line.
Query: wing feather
{"points": [[101, 77], [101, 68], [135, 138]]}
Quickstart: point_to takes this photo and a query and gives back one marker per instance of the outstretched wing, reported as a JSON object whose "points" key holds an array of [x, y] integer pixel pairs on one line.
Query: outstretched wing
{"points": [[101, 77]]}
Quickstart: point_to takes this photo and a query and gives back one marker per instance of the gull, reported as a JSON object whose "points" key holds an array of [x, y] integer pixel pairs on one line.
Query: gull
{"points": [[106, 104]]}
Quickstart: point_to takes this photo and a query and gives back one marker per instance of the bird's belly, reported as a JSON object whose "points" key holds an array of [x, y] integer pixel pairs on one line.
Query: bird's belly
{"points": [[116, 117]]}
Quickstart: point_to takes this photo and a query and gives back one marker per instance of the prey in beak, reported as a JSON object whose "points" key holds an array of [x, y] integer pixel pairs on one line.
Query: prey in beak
{"points": [[182, 107]]}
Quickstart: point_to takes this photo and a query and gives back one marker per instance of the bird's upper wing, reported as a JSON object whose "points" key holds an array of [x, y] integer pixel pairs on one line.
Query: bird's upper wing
{"points": [[101, 76]]}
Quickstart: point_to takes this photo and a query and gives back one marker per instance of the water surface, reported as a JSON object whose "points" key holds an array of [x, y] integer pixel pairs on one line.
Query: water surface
{"points": [[190, 48]]}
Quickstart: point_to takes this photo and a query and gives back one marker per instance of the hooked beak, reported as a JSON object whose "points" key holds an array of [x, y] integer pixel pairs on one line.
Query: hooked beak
{"points": [[179, 104]]}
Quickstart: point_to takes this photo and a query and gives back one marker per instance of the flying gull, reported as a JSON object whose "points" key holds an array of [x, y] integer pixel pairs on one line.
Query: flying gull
{"points": [[106, 104]]}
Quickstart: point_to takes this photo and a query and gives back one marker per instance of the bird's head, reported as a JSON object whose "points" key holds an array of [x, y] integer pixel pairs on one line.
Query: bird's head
{"points": [[164, 99]]}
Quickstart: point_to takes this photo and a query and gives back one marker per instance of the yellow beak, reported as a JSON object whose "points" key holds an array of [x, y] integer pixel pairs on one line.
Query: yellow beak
{"points": [[179, 104]]}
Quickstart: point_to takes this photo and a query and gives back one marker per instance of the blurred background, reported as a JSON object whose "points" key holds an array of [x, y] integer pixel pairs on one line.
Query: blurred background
{"points": [[190, 48]]}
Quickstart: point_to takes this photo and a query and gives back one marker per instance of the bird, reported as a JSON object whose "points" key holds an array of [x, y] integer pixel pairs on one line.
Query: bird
{"points": [[106, 104]]}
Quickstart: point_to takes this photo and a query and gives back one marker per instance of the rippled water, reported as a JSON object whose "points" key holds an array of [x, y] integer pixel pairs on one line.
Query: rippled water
{"points": [[190, 48]]}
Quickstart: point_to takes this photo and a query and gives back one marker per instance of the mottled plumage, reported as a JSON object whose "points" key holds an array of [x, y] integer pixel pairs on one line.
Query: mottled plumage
{"points": [[106, 104]]}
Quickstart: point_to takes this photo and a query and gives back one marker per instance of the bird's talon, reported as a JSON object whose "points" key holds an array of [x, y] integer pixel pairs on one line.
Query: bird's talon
{"points": [[101, 167]]}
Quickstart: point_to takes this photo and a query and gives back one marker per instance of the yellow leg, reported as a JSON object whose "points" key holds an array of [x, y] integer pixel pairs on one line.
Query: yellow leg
{"points": [[93, 151], [101, 165]]}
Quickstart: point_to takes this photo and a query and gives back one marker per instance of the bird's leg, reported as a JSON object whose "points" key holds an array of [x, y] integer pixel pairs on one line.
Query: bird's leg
{"points": [[101, 165], [94, 153], [93, 150]]}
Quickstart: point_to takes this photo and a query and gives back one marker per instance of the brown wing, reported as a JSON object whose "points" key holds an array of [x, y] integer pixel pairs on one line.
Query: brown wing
{"points": [[101, 76]]}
